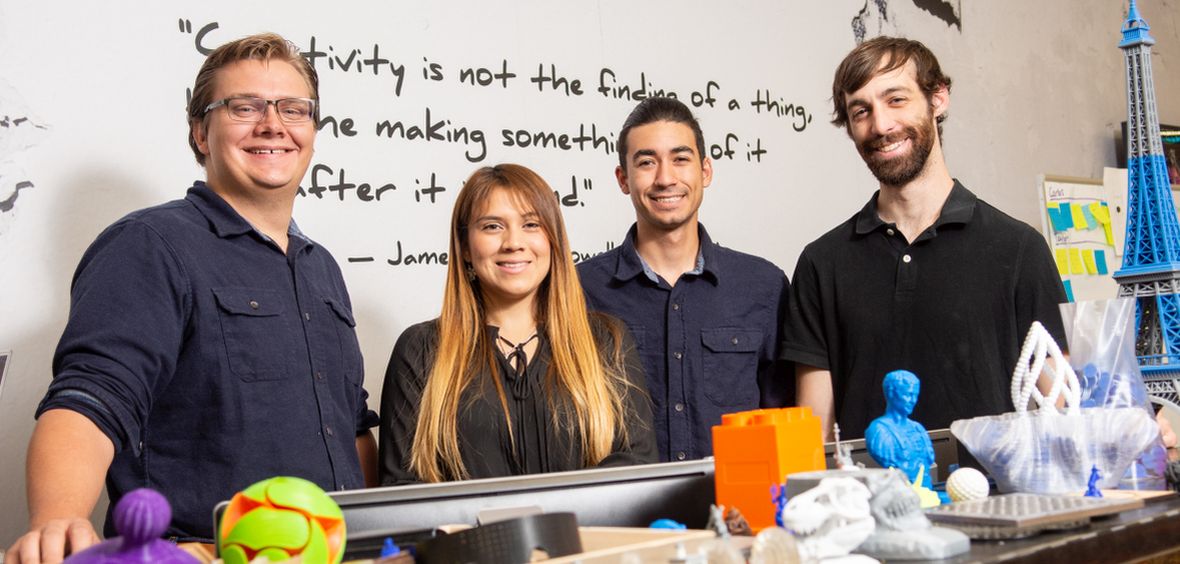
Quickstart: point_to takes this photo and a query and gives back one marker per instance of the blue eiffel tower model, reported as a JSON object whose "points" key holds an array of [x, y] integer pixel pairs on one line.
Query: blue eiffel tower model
{"points": [[1151, 258]]}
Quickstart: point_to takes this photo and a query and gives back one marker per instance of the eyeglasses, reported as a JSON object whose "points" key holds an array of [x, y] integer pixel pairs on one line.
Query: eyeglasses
{"points": [[253, 110]]}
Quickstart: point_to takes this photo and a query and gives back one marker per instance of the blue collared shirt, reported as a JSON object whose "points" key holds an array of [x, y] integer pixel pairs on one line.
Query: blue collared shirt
{"points": [[708, 344], [211, 359]]}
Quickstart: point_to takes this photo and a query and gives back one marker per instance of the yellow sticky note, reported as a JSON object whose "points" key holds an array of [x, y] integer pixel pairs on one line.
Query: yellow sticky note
{"points": [[1088, 260], [1101, 213], [1062, 262], [1079, 218], [1076, 266]]}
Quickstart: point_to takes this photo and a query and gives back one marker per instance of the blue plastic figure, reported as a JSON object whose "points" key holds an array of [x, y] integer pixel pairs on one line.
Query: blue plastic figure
{"points": [[1092, 487], [668, 524], [778, 494], [896, 441], [388, 548]]}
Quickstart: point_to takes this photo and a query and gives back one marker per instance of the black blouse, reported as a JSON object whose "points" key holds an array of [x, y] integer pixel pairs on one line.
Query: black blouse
{"points": [[484, 441]]}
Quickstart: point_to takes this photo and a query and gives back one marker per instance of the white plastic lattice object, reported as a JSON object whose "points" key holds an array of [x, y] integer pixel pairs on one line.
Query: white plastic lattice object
{"points": [[1039, 346]]}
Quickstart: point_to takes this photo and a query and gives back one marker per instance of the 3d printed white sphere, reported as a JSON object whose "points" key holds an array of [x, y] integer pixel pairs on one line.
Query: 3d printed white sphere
{"points": [[966, 484]]}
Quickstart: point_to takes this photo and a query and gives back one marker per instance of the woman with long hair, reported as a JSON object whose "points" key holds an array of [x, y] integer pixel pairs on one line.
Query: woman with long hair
{"points": [[514, 376]]}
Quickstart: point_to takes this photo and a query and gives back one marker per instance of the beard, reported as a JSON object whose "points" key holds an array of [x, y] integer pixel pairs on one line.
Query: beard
{"points": [[899, 171]]}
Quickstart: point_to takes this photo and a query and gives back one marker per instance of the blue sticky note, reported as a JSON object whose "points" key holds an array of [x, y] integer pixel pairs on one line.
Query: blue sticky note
{"points": [[1091, 223], [1100, 261], [1068, 289], [1061, 216]]}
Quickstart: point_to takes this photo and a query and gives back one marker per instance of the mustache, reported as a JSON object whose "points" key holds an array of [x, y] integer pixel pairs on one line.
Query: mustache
{"points": [[883, 140]]}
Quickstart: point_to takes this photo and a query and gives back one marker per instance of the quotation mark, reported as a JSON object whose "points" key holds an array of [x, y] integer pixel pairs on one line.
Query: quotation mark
{"points": [[186, 26]]}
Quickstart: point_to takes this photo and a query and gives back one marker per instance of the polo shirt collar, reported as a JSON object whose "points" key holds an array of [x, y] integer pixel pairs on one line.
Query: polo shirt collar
{"points": [[631, 264], [224, 219], [959, 207]]}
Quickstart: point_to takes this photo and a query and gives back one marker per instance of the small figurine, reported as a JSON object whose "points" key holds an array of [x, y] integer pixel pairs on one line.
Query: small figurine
{"points": [[843, 454], [894, 440], [927, 497], [737, 524], [667, 524], [140, 518], [1092, 486], [778, 494]]}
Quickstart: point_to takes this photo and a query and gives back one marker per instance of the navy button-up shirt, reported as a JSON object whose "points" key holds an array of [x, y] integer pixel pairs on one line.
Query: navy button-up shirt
{"points": [[211, 359], [708, 344]]}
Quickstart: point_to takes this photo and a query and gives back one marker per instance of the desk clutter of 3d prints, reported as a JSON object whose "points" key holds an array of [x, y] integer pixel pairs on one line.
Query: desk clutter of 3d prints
{"points": [[683, 491]]}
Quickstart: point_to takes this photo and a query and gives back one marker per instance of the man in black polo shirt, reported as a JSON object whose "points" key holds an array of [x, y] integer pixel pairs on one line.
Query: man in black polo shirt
{"points": [[926, 277], [210, 343], [706, 318]]}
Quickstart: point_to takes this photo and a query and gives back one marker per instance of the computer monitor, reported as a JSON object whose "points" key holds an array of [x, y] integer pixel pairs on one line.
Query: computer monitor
{"points": [[631, 496]]}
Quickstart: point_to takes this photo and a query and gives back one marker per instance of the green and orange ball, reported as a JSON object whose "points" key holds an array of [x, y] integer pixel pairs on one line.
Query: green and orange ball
{"points": [[281, 518]]}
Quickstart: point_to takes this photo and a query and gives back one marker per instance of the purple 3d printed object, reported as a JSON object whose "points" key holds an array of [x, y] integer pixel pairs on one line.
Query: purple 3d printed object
{"points": [[140, 518]]}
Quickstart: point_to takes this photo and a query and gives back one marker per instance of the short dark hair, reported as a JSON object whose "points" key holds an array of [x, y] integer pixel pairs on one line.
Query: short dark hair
{"points": [[262, 47], [861, 65], [656, 109]]}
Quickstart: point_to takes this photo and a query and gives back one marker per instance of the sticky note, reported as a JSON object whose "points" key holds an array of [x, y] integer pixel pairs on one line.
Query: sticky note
{"points": [[1100, 261], [1088, 217], [1079, 217], [1068, 289], [1101, 212], [1060, 216], [1088, 260], [1062, 262], [1076, 266]]}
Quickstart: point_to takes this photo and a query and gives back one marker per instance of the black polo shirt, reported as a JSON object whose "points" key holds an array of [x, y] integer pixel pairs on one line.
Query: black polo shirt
{"points": [[953, 307]]}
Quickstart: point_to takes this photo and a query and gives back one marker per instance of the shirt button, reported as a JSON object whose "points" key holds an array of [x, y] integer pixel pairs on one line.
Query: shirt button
{"points": [[681, 456], [253, 304], [307, 316], [679, 407], [735, 340], [889, 231], [328, 430], [906, 259], [678, 355], [676, 307], [319, 375]]}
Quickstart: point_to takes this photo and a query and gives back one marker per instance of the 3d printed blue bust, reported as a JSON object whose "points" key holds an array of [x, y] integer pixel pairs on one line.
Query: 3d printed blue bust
{"points": [[896, 441]]}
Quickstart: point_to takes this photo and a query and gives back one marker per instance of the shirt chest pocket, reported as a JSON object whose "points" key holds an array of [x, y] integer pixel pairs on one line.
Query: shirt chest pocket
{"points": [[261, 338], [730, 362], [350, 349]]}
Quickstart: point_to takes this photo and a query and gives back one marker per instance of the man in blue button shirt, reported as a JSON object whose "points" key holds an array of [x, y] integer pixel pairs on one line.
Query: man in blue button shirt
{"points": [[210, 343], [706, 318]]}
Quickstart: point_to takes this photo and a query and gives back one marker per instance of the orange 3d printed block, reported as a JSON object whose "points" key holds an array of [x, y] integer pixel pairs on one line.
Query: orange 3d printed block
{"points": [[754, 450]]}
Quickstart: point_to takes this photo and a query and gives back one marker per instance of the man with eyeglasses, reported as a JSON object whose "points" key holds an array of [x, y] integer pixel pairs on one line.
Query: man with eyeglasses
{"points": [[210, 343]]}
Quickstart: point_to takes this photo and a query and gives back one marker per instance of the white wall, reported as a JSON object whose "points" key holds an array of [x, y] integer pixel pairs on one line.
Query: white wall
{"points": [[1037, 89]]}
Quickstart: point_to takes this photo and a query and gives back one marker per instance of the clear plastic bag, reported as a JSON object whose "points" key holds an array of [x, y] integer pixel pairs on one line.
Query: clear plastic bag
{"points": [[1101, 336], [1045, 450]]}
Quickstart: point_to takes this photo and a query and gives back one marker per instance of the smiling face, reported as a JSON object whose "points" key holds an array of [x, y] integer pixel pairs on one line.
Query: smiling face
{"points": [[508, 249], [249, 160], [892, 123], [664, 175]]}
